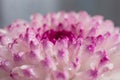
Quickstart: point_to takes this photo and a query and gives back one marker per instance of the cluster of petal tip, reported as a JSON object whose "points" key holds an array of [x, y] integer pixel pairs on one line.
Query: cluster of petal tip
{"points": [[60, 46]]}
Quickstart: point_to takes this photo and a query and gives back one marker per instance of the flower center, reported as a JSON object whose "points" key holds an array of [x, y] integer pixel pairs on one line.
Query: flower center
{"points": [[55, 35]]}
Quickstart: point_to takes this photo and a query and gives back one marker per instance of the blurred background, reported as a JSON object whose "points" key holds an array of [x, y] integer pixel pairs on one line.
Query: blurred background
{"points": [[14, 9]]}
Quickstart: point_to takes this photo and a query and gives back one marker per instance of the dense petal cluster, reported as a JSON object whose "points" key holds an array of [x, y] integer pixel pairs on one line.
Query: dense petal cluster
{"points": [[60, 46]]}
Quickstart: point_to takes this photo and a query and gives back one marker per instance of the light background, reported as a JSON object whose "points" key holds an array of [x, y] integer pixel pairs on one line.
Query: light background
{"points": [[13, 9]]}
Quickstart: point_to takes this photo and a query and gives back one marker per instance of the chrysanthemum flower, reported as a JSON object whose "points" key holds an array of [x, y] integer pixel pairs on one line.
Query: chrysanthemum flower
{"points": [[60, 46]]}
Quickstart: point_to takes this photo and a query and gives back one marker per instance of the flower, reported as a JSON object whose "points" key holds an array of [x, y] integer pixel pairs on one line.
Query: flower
{"points": [[60, 46]]}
